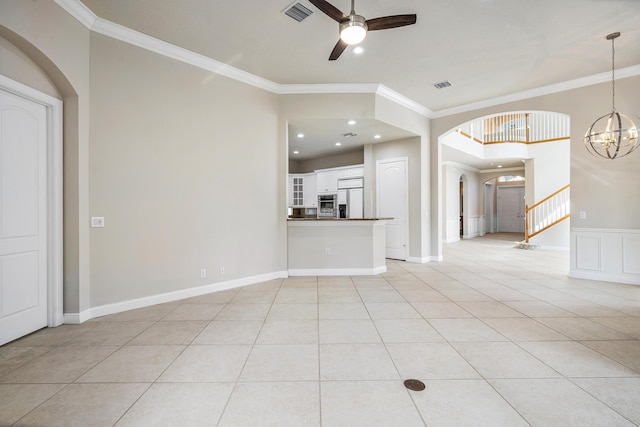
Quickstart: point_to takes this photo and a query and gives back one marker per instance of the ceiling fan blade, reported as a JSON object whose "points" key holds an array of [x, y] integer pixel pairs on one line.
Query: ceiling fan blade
{"points": [[330, 10], [337, 50], [387, 22]]}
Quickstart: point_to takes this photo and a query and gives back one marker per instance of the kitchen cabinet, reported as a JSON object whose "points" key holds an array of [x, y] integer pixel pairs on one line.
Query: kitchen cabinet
{"points": [[297, 187], [328, 178], [328, 181], [302, 190], [310, 190]]}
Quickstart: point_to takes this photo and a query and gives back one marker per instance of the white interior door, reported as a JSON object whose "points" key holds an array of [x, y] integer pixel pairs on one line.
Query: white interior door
{"points": [[392, 202], [511, 209], [23, 216]]}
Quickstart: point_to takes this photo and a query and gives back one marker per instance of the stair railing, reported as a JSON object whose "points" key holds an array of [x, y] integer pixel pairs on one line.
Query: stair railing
{"points": [[547, 212]]}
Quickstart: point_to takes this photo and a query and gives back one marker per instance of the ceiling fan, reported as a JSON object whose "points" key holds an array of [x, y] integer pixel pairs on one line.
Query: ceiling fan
{"points": [[353, 28]]}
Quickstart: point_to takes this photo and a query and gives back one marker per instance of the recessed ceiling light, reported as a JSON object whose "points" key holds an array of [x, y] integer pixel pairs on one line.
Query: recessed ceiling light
{"points": [[301, 135], [499, 166], [358, 50], [377, 136], [338, 144], [296, 152], [352, 122]]}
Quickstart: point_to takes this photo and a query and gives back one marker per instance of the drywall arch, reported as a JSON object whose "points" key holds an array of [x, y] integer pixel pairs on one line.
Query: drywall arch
{"points": [[557, 160], [59, 46]]}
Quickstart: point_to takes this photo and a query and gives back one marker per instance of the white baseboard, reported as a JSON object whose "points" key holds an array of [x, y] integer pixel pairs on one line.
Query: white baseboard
{"points": [[419, 260], [118, 307], [604, 277], [338, 271]]}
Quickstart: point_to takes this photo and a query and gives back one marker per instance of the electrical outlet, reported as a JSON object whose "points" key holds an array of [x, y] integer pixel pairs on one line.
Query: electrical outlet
{"points": [[327, 251], [583, 215], [203, 273], [221, 270]]}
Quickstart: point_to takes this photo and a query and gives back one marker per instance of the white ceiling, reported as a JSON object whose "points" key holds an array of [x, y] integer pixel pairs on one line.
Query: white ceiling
{"points": [[487, 48]]}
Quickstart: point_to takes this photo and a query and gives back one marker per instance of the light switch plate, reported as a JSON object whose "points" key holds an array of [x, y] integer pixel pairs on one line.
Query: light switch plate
{"points": [[583, 215], [97, 221]]}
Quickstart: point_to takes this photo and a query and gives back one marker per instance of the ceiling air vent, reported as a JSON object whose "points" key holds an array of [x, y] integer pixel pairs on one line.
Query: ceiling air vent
{"points": [[297, 12], [442, 85]]}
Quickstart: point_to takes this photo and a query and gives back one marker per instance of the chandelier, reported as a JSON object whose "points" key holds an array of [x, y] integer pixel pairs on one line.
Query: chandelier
{"points": [[615, 134]]}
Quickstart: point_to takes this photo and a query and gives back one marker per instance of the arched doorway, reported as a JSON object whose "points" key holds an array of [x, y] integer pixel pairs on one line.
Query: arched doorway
{"points": [[534, 144]]}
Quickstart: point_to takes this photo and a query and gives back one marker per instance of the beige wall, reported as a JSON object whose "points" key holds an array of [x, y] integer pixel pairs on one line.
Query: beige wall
{"points": [[18, 66], [184, 168], [180, 178], [607, 190], [347, 159]]}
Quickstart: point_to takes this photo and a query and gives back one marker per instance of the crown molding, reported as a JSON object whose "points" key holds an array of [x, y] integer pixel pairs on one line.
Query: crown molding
{"points": [[169, 50], [79, 11], [110, 29], [541, 91], [394, 96], [295, 89]]}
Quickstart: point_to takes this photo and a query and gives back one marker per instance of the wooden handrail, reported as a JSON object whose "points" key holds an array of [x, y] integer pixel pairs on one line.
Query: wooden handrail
{"points": [[547, 198], [471, 137], [528, 209], [511, 142]]}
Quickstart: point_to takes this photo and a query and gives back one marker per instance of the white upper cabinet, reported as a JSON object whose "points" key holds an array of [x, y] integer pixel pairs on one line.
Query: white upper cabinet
{"points": [[310, 190], [359, 171], [304, 188], [328, 178], [328, 181]]}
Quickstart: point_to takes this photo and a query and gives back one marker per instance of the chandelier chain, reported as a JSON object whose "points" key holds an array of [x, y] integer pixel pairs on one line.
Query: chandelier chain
{"points": [[613, 76]]}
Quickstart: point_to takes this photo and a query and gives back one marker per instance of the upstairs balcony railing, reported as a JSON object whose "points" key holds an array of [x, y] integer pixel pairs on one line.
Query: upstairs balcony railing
{"points": [[523, 128]]}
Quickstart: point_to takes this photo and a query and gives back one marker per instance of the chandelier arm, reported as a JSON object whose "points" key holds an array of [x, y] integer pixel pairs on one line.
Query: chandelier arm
{"points": [[619, 132]]}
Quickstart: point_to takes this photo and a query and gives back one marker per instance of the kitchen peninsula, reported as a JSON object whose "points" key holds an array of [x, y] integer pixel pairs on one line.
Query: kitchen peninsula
{"points": [[336, 247]]}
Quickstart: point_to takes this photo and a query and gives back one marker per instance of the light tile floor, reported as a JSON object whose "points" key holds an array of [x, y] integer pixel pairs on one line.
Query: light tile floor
{"points": [[499, 335]]}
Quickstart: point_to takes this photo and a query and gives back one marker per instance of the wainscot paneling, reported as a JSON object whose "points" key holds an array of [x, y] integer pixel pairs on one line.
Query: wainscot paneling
{"points": [[610, 255]]}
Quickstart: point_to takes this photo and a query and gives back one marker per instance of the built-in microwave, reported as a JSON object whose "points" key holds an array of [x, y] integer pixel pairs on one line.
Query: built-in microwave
{"points": [[328, 205]]}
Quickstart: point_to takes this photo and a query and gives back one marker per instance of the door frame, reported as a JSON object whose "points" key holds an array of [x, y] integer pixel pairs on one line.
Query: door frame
{"points": [[53, 105], [405, 160]]}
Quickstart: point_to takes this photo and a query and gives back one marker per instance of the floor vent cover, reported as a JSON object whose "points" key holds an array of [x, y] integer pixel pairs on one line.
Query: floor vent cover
{"points": [[415, 385], [297, 12]]}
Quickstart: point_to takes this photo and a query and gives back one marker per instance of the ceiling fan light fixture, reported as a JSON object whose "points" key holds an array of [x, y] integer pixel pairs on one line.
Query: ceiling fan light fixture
{"points": [[354, 30]]}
